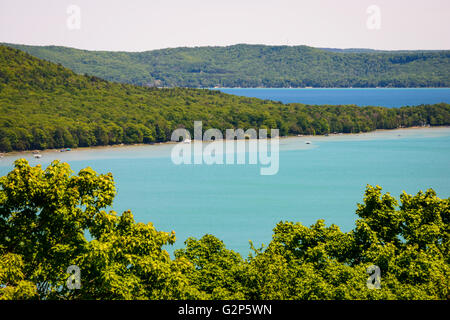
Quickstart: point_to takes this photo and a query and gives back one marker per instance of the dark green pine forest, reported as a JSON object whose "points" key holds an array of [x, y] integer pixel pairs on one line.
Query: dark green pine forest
{"points": [[45, 105], [256, 66]]}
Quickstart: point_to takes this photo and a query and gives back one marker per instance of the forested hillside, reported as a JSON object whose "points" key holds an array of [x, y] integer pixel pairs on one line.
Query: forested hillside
{"points": [[257, 66], [44, 105]]}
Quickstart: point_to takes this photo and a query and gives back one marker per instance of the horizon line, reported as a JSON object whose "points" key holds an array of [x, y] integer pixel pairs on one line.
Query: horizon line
{"points": [[223, 46]]}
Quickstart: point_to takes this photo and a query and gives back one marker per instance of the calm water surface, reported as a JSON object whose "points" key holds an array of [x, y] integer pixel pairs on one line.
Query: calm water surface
{"points": [[387, 97], [321, 180]]}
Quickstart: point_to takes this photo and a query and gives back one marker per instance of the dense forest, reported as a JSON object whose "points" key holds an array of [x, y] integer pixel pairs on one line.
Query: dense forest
{"points": [[256, 66], [46, 214], [45, 105]]}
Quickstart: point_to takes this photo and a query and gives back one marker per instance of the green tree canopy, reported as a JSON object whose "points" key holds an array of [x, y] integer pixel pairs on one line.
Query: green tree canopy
{"points": [[246, 65], [44, 105], [51, 219]]}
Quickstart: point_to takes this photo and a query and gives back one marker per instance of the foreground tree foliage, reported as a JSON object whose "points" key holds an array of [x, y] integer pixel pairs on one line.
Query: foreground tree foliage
{"points": [[51, 219]]}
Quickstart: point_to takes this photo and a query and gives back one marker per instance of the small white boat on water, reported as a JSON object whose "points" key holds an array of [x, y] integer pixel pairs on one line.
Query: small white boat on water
{"points": [[37, 156], [308, 142]]}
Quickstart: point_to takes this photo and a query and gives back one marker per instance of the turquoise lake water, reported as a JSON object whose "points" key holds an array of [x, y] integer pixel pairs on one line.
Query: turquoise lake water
{"points": [[321, 180], [387, 97]]}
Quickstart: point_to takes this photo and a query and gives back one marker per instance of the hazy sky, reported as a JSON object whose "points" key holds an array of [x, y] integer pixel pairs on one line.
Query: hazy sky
{"points": [[138, 25]]}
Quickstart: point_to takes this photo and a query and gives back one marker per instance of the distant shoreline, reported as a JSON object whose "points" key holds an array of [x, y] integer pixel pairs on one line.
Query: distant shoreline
{"points": [[47, 151], [406, 88]]}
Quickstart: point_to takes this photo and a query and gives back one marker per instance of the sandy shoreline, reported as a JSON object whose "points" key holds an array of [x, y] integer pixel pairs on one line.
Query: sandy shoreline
{"points": [[123, 146]]}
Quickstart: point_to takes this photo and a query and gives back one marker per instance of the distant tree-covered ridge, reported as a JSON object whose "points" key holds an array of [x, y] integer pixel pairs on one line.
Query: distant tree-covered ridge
{"points": [[257, 66], [46, 214], [45, 105]]}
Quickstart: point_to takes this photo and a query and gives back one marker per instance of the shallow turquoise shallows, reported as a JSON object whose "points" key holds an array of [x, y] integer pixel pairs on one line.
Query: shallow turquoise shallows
{"points": [[386, 97], [321, 180]]}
